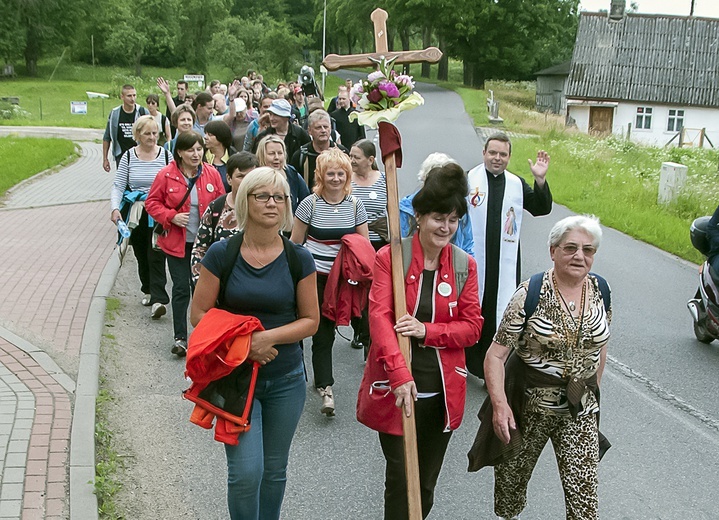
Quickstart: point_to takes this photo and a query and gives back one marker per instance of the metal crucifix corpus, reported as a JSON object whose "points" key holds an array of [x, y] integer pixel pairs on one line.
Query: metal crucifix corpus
{"points": [[334, 62]]}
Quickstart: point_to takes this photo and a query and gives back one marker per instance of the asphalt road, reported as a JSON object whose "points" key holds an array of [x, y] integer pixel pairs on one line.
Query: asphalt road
{"points": [[658, 407]]}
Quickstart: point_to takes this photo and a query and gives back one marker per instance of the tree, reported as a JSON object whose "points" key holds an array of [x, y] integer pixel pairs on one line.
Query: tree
{"points": [[262, 43], [198, 23], [12, 37], [140, 27], [44, 23]]}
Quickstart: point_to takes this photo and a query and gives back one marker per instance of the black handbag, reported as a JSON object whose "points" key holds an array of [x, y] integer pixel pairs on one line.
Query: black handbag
{"points": [[158, 229]]}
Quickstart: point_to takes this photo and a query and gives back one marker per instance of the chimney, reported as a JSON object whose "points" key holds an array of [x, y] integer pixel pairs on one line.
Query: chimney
{"points": [[616, 11]]}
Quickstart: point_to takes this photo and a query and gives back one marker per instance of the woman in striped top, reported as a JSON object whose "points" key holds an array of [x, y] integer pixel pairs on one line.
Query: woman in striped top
{"points": [[368, 185], [135, 173], [321, 220]]}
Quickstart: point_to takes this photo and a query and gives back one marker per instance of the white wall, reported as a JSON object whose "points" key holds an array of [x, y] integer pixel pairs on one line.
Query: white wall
{"points": [[657, 135], [580, 114], [694, 118]]}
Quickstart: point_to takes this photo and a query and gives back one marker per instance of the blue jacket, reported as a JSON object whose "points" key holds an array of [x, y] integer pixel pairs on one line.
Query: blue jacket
{"points": [[111, 127], [463, 238]]}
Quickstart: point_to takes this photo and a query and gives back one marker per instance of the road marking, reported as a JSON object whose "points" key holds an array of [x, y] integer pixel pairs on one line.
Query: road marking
{"points": [[674, 402]]}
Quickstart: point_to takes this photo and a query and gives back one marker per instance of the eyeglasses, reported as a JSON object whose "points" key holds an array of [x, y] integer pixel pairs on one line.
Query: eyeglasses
{"points": [[571, 249], [265, 197]]}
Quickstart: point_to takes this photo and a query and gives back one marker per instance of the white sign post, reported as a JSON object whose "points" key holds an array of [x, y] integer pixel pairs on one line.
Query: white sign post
{"points": [[672, 178], [195, 78], [78, 107]]}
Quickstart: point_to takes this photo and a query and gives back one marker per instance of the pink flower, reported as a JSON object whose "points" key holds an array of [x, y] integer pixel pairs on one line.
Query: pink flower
{"points": [[375, 96], [374, 76], [389, 88], [405, 80]]}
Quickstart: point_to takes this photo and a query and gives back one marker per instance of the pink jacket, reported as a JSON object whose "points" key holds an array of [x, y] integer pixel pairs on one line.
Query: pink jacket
{"points": [[457, 324], [168, 189]]}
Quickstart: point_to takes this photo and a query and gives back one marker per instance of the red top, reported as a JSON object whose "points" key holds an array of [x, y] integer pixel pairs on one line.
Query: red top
{"points": [[349, 280], [168, 189], [457, 324]]}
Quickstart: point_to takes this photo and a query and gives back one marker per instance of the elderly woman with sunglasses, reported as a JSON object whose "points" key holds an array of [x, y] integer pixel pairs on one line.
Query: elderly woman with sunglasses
{"points": [[262, 284], [549, 388]]}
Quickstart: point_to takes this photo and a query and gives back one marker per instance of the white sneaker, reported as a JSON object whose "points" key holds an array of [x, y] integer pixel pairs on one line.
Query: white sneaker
{"points": [[328, 401], [158, 311], [146, 300]]}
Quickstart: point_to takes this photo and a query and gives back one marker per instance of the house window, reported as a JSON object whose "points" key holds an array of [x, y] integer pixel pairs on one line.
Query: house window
{"points": [[676, 120], [644, 117]]}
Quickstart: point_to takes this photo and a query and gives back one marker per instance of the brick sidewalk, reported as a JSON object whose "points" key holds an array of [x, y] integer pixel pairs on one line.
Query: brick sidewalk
{"points": [[57, 239]]}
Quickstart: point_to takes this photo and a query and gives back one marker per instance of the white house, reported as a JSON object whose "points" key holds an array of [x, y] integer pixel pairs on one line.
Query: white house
{"points": [[652, 77]]}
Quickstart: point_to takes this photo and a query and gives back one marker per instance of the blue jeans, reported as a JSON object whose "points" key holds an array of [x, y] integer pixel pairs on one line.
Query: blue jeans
{"points": [[257, 466]]}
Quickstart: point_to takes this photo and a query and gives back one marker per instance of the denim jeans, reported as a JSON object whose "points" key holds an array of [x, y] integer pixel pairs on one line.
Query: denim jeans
{"points": [[257, 466]]}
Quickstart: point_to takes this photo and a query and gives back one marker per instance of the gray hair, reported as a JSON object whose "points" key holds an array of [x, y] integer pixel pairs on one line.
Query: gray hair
{"points": [[433, 160], [587, 223], [316, 116], [263, 176]]}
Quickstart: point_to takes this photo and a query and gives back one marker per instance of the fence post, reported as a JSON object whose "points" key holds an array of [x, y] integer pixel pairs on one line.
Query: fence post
{"points": [[629, 132], [701, 138]]}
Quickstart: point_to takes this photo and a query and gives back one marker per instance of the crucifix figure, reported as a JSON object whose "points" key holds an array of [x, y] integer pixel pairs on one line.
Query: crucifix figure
{"points": [[391, 157]]}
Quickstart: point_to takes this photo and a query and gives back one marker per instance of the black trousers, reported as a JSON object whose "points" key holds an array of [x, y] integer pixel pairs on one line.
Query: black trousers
{"points": [[432, 444], [322, 342], [181, 291], [150, 263]]}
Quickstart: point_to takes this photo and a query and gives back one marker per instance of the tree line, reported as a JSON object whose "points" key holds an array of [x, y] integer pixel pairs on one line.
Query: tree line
{"points": [[494, 39]]}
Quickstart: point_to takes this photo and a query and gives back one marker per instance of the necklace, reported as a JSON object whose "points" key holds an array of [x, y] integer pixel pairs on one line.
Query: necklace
{"points": [[571, 342], [571, 306], [262, 264]]}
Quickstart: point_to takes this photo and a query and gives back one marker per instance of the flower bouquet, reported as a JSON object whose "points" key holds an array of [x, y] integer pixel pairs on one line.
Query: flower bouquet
{"points": [[383, 95]]}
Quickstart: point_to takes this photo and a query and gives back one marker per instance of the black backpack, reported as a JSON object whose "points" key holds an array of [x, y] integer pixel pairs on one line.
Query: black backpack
{"points": [[233, 251], [535, 285]]}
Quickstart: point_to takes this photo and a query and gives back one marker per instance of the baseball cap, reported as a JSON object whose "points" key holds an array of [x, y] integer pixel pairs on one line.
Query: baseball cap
{"points": [[240, 105], [280, 107]]}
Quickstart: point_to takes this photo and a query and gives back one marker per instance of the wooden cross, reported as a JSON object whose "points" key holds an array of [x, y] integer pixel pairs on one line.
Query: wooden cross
{"points": [[334, 62], [379, 18]]}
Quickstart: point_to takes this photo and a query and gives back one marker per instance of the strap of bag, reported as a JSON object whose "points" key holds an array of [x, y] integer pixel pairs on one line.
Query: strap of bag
{"points": [[216, 207], [460, 263], [234, 243], [193, 181], [535, 286]]}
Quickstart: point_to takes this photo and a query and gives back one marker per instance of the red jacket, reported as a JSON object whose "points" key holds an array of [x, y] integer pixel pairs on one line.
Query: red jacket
{"points": [[168, 189], [457, 324], [349, 280], [214, 352]]}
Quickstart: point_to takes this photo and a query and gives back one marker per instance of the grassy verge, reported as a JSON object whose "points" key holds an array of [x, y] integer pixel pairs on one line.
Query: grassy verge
{"points": [[108, 463], [23, 157]]}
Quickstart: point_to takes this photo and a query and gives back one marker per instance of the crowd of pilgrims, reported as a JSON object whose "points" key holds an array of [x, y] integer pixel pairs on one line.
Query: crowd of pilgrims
{"points": [[270, 214]]}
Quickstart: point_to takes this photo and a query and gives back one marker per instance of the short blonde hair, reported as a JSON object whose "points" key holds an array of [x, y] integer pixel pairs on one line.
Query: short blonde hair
{"points": [[262, 148], [141, 123], [326, 160], [263, 176]]}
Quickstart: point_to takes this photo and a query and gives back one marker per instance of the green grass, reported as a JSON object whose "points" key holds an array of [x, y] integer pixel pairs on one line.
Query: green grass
{"points": [[23, 157], [618, 182], [108, 462]]}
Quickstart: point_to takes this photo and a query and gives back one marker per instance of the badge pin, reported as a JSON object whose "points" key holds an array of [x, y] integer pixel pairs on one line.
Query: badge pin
{"points": [[373, 195], [444, 289], [210, 188]]}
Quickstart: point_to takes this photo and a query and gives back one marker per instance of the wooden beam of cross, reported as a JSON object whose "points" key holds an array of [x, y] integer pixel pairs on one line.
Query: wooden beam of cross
{"points": [[379, 18], [334, 62]]}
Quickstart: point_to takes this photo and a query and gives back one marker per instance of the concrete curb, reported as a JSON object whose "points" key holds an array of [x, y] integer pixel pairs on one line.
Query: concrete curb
{"points": [[83, 501]]}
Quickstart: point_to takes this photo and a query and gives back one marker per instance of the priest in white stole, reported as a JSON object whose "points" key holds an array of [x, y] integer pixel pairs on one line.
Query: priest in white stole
{"points": [[496, 200]]}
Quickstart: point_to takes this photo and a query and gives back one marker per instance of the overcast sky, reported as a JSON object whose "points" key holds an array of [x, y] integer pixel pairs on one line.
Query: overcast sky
{"points": [[707, 8]]}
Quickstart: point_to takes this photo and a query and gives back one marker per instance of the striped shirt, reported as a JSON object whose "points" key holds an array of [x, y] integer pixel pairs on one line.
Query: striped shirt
{"points": [[374, 198], [327, 224], [135, 174]]}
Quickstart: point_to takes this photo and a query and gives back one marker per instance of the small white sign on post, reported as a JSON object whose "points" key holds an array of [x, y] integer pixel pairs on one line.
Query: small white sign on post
{"points": [[195, 78], [672, 178], [78, 107]]}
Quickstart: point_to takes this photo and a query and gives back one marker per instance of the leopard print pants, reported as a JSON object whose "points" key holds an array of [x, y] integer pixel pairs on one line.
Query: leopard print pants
{"points": [[576, 447]]}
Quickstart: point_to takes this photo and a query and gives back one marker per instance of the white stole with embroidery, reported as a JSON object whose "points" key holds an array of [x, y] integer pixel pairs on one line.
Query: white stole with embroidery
{"points": [[509, 236]]}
